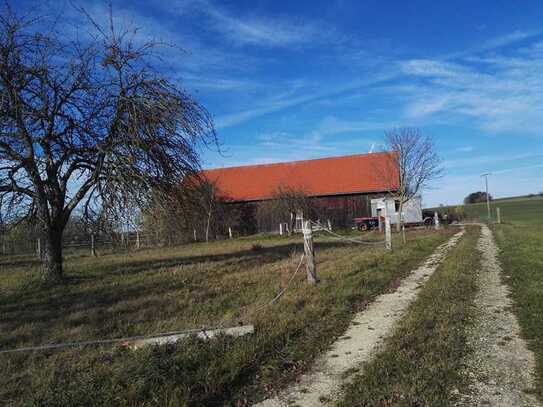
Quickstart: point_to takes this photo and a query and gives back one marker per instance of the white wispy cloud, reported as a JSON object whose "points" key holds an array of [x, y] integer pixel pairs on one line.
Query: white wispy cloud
{"points": [[276, 31], [272, 103], [332, 125], [495, 43], [521, 168], [490, 161], [501, 94], [464, 149]]}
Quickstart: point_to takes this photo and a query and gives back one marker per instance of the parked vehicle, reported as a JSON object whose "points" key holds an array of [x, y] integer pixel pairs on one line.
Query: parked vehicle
{"points": [[411, 211], [366, 223]]}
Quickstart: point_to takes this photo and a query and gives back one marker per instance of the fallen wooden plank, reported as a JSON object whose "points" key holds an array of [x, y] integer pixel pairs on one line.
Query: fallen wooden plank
{"points": [[202, 334], [138, 341]]}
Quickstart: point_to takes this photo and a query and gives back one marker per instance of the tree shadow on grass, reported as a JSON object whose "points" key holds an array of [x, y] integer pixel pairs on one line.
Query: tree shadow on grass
{"points": [[47, 306], [16, 261]]}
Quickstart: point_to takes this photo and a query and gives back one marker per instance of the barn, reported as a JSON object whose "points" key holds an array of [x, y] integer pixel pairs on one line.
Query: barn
{"points": [[335, 189]]}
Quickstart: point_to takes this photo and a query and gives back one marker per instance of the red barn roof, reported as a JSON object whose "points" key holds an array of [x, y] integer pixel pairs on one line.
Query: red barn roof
{"points": [[322, 177]]}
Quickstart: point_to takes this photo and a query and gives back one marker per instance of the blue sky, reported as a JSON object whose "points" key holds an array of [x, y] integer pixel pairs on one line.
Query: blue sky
{"points": [[307, 79]]}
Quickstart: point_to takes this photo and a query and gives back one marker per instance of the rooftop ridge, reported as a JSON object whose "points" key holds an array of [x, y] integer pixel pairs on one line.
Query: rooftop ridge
{"points": [[295, 162]]}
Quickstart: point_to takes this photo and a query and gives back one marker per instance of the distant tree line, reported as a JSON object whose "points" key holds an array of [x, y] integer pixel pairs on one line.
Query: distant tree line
{"points": [[477, 197]]}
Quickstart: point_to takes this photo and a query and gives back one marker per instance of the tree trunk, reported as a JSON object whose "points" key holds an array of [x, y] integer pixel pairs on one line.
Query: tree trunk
{"points": [[208, 223], [400, 211], [52, 259]]}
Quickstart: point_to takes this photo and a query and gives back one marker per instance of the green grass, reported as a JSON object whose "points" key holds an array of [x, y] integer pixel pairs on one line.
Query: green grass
{"points": [[520, 239], [521, 254], [518, 210], [159, 290], [421, 363]]}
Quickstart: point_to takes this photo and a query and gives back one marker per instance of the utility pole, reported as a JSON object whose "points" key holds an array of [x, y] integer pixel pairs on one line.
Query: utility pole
{"points": [[487, 196]]}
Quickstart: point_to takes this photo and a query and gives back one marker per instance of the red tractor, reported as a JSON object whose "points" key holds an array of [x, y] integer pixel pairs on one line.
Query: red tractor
{"points": [[366, 223]]}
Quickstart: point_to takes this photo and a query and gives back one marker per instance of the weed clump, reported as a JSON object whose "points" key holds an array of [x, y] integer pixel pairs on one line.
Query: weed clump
{"points": [[256, 247]]}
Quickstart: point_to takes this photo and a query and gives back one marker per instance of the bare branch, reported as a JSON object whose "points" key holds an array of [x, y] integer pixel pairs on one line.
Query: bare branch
{"points": [[90, 123]]}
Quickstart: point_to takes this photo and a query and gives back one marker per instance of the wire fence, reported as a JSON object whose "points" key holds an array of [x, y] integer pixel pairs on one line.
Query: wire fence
{"points": [[224, 323], [91, 244], [346, 239], [94, 243]]}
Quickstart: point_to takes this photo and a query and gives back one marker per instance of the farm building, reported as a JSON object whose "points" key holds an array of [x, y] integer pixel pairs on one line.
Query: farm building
{"points": [[335, 189]]}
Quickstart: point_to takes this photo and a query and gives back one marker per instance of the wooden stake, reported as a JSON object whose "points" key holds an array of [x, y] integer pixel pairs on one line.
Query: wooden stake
{"points": [[38, 249], [93, 248], [436, 220], [388, 234], [195, 239], [230, 232], [280, 229], [498, 215], [329, 225], [309, 254]]}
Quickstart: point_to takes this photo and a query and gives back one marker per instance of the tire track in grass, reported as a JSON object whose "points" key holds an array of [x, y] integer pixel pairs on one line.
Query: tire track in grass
{"points": [[420, 364], [361, 340], [502, 368]]}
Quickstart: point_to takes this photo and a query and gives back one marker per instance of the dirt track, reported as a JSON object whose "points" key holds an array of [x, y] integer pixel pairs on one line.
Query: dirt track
{"points": [[361, 341], [501, 369]]}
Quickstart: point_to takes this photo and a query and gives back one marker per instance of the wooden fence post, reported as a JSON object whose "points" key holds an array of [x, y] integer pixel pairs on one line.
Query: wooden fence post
{"points": [[498, 215], [195, 238], [230, 232], [388, 234], [93, 248], [281, 229], [38, 249], [436, 220], [309, 254]]}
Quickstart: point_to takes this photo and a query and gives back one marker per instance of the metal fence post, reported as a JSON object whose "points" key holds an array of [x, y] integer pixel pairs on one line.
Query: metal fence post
{"points": [[309, 254]]}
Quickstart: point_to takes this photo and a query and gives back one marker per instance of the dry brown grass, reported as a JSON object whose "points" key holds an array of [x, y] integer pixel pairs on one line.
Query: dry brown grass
{"points": [[159, 290]]}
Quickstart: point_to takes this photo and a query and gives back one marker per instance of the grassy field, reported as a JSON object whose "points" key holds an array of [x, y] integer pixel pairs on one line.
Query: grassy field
{"points": [[520, 239], [517, 210], [521, 243], [197, 285], [421, 363]]}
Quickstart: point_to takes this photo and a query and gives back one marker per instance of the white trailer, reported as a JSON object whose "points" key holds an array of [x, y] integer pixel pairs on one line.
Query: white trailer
{"points": [[411, 211]]}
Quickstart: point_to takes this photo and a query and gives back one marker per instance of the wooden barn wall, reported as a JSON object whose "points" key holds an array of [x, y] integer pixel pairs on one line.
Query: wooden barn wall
{"points": [[341, 209]]}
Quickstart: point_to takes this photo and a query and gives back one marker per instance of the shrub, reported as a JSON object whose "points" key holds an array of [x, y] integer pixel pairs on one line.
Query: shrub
{"points": [[256, 247]]}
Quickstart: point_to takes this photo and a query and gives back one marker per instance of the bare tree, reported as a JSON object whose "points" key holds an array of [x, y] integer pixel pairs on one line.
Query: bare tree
{"points": [[287, 202], [87, 123], [413, 157]]}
